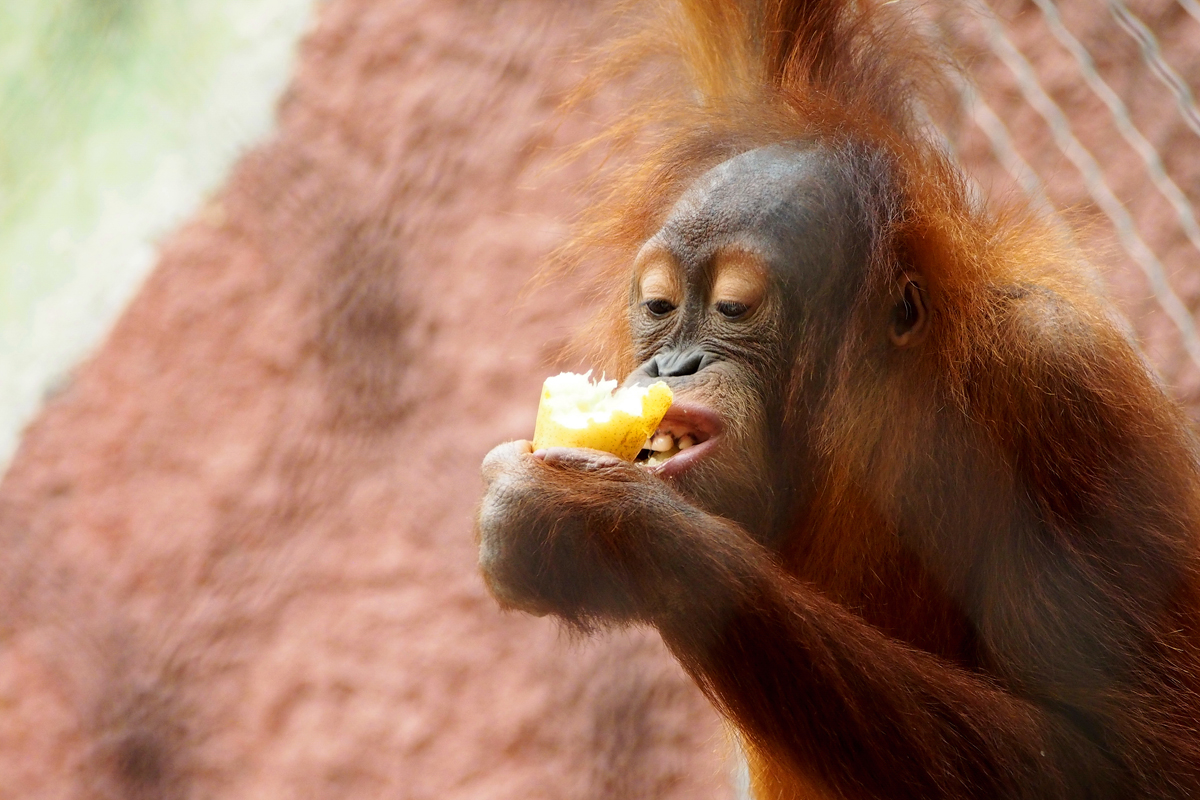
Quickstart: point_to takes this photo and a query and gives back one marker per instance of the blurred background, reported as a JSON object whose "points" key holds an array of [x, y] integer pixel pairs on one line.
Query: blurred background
{"points": [[264, 305], [117, 117]]}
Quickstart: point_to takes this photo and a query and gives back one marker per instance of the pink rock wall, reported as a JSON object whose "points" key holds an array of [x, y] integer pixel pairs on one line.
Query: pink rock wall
{"points": [[238, 553]]}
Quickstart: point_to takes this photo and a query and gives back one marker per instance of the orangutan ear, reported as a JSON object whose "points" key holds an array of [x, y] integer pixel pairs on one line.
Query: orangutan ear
{"points": [[909, 321]]}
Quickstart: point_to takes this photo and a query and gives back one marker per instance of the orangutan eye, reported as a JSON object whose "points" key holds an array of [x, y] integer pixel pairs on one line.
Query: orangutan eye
{"points": [[659, 307], [732, 310]]}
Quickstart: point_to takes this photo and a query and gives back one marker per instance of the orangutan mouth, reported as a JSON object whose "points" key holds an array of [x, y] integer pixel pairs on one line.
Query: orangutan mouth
{"points": [[686, 433]]}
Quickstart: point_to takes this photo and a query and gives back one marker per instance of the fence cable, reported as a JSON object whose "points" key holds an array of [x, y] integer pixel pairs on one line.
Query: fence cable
{"points": [[1192, 7], [1152, 54], [1093, 177], [1120, 115], [1000, 140]]}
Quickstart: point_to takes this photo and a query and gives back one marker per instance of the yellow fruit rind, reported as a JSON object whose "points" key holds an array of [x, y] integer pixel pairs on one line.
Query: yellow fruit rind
{"points": [[622, 435]]}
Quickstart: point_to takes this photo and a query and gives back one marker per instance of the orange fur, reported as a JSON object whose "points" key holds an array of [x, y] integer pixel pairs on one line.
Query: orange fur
{"points": [[1023, 363]]}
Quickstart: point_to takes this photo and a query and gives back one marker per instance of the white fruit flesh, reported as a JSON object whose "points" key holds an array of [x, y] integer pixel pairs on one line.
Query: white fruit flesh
{"points": [[575, 401], [577, 412]]}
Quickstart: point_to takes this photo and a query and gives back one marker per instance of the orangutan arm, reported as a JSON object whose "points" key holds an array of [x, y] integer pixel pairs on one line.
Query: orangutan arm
{"points": [[818, 690]]}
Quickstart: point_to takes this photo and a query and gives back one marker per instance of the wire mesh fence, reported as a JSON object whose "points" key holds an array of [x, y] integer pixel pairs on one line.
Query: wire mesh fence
{"points": [[1086, 106]]}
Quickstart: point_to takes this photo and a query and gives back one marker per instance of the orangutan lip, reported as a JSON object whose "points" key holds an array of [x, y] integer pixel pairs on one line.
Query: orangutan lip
{"points": [[697, 419], [684, 436], [684, 460]]}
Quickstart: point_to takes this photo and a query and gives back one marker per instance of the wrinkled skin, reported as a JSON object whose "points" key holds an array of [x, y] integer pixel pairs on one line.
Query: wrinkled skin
{"points": [[735, 261]]}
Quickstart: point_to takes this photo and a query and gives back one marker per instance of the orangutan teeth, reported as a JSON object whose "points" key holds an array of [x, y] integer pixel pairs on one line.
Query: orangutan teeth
{"points": [[663, 446], [661, 442]]}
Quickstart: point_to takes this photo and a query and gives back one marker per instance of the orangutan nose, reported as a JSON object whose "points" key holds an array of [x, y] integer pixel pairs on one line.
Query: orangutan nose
{"points": [[677, 363]]}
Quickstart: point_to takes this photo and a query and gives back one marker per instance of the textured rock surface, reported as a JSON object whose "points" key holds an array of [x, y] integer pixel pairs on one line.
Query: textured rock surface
{"points": [[238, 559]]}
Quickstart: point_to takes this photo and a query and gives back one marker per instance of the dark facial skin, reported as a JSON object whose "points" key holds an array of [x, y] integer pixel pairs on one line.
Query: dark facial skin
{"points": [[978, 595], [719, 298]]}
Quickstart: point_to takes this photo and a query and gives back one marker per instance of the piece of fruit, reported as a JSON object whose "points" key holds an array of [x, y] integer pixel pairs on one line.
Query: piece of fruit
{"points": [[578, 412]]}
